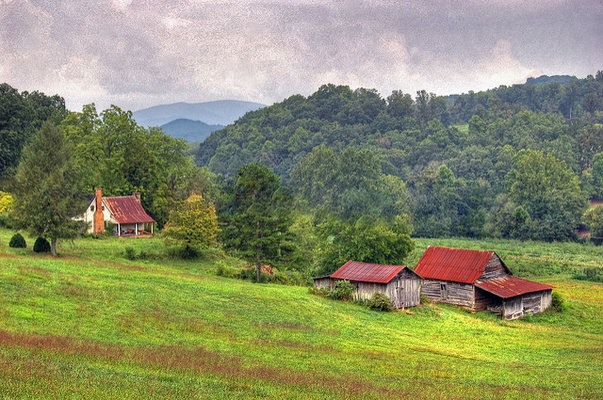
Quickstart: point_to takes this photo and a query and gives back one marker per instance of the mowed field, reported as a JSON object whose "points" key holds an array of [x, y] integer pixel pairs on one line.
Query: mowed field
{"points": [[92, 324]]}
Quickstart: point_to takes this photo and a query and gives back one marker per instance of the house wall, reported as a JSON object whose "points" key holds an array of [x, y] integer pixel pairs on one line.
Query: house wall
{"points": [[324, 283], [530, 303], [494, 269], [88, 216], [461, 294]]}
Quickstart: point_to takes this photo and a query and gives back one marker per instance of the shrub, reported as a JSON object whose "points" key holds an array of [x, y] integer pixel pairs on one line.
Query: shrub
{"points": [[41, 246], [424, 299], [557, 302], [343, 290], [188, 253], [17, 241], [130, 253], [380, 302], [227, 271], [594, 274]]}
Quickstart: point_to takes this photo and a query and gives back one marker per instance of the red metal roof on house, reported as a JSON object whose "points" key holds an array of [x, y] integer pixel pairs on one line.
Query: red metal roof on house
{"points": [[127, 210], [363, 272], [509, 286], [456, 265]]}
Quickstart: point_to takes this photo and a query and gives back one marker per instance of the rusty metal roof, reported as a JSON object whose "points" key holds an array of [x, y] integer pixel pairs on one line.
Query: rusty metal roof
{"points": [[456, 265], [509, 286], [127, 210], [363, 272]]}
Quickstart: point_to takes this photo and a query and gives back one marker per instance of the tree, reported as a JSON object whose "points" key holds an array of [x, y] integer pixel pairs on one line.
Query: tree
{"points": [[549, 192], [192, 223], [257, 217], [47, 187], [593, 218]]}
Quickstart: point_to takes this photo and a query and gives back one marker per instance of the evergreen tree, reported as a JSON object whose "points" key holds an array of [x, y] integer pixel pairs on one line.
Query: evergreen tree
{"points": [[47, 187], [258, 217]]}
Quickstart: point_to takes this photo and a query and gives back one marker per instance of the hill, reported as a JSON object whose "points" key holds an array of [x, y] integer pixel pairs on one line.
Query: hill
{"points": [[92, 324], [221, 112], [560, 79], [192, 131]]}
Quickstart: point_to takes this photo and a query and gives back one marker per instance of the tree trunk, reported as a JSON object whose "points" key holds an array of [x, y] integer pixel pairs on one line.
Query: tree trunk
{"points": [[53, 246], [257, 255]]}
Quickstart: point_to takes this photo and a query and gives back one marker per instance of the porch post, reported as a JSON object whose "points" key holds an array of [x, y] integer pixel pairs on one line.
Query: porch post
{"points": [[136, 229], [118, 229], [152, 225]]}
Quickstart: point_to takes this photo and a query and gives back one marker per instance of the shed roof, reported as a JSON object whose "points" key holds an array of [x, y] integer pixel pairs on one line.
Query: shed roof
{"points": [[509, 286], [363, 272], [456, 265], [127, 210]]}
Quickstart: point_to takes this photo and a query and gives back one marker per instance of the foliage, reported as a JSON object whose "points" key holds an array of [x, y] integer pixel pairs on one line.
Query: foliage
{"points": [[41, 245], [117, 154], [130, 253], [47, 187], [548, 193], [17, 241], [257, 218], [557, 302], [350, 153], [21, 114], [380, 302], [593, 218], [193, 222], [6, 202], [343, 290], [594, 274], [365, 240]]}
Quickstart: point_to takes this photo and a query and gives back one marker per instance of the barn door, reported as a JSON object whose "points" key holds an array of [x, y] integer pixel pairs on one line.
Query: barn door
{"points": [[443, 291]]}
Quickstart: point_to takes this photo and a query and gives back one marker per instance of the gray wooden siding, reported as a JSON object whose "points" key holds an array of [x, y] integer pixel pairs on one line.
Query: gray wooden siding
{"points": [[529, 303], [494, 269], [404, 290], [461, 294]]}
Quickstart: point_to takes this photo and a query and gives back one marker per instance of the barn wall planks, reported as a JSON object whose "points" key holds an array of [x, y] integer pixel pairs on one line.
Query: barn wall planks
{"points": [[494, 269], [457, 293], [527, 304]]}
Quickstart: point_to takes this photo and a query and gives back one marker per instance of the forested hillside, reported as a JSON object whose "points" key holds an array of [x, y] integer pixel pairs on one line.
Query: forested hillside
{"points": [[516, 161]]}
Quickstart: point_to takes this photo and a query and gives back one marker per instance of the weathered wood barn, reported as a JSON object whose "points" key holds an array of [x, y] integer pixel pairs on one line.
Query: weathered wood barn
{"points": [[125, 213], [479, 280], [397, 282]]}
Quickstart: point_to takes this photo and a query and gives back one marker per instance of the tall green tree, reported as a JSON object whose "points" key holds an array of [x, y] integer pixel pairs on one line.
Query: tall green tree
{"points": [[47, 188], [257, 217], [192, 223], [549, 191]]}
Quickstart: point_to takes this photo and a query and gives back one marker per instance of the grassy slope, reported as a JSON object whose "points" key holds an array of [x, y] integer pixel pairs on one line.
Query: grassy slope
{"points": [[93, 324]]}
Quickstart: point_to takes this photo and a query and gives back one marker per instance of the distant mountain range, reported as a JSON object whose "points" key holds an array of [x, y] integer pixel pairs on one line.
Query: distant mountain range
{"points": [[192, 131], [221, 112]]}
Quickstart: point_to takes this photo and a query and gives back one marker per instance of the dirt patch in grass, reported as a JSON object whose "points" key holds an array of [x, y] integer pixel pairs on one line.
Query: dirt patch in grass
{"points": [[200, 360], [26, 270], [286, 325]]}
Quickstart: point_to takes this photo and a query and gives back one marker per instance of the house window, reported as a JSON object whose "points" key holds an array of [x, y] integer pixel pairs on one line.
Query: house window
{"points": [[91, 208]]}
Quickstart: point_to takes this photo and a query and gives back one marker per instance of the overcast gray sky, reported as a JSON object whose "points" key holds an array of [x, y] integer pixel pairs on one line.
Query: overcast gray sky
{"points": [[141, 53]]}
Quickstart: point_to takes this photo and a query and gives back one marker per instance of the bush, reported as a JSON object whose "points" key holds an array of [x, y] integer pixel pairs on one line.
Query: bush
{"points": [[557, 302], [227, 271], [380, 302], [594, 274], [343, 290], [130, 253], [17, 241], [41, 246], [424, 299], [188, 253]]}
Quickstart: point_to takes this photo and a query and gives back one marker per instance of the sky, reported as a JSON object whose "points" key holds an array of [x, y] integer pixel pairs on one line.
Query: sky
{"points": [[140, 53]]}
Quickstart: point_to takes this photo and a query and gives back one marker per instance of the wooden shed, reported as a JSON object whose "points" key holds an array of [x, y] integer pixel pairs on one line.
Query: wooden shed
{"points": [[479, 280], [397, 282]]}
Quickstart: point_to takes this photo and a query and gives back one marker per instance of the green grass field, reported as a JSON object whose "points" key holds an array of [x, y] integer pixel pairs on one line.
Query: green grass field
{"points": [[91, 324]]}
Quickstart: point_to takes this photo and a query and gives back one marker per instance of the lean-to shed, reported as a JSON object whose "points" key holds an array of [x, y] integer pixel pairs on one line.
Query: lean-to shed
{"points": [[397, 282], [479, 280]]}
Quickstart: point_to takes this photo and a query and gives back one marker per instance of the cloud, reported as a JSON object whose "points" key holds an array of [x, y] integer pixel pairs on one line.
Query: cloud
{"points": [[137, 53]]}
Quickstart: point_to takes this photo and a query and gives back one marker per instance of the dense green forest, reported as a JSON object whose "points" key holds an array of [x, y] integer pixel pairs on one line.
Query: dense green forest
{"points": [[519, 161]]}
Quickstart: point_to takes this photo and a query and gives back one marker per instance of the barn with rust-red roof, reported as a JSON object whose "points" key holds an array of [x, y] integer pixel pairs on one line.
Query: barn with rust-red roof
{"points": [[397, 282], [479, 280]]}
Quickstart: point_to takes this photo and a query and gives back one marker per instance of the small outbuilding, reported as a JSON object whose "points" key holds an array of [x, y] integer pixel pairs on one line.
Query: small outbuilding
{"points": [[397, 282], [479, 280]]}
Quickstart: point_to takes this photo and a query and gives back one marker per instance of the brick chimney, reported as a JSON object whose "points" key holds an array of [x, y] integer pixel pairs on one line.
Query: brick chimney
{"points": [[137, 195], [99, 218]]}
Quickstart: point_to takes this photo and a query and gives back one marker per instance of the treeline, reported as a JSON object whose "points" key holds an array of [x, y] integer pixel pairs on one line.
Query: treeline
{"points": [[351, 153]]}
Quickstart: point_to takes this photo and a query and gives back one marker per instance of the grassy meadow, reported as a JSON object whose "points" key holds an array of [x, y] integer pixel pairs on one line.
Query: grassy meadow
{"points": [[92, 324]]}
